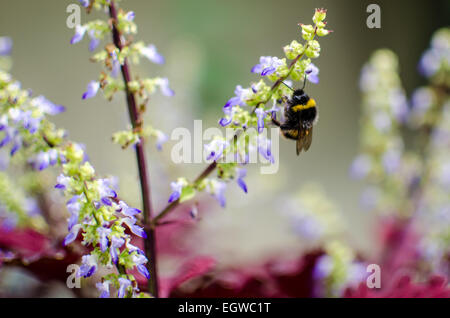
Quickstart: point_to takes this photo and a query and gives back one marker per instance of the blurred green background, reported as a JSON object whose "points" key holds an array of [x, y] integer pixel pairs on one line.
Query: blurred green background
{"points": [[210, 47]]}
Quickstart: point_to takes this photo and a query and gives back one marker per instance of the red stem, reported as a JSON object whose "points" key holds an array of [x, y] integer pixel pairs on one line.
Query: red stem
{"points": [[135, 117]]}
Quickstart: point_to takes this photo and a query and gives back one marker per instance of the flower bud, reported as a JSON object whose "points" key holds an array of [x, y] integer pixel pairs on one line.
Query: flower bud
{"points": [[320, 15]]}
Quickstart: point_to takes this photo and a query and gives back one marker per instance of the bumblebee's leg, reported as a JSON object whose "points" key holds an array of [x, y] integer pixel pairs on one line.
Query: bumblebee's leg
{"points": [[276, 122]]}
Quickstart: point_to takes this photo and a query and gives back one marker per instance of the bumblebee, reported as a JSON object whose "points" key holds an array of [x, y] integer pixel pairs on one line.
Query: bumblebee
{"points": [[300, 116]]}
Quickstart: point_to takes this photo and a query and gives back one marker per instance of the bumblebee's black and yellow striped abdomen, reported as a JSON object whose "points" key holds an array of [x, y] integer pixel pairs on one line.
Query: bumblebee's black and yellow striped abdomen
{"points": [[300, 117]]}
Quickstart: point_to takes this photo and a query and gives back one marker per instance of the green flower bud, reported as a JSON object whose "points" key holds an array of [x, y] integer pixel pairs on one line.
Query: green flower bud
{"points": [[320, 15], [87, 172]]}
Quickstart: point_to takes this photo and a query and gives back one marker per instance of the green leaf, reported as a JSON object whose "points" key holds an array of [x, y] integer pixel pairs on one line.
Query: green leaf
{"points": [[187, 194]]}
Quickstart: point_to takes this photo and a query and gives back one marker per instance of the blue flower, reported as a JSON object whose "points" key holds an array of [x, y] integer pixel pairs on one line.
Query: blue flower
{"points": [[161, 139], [265, 148], [47, 107], [217, 189], [74, 207], [241, 174], [152, 54], [140, 261], [116, 242], [124, 285], [104, 188], [85, 3], [261, 114], [92, 90], [215, 149], [240, 98], [88, 266], [95, 41], [73, 234], [126, 210], [103, 238], [44, 159], [103, 289], [130, 16], [135, 229], [80, 31], [62, 182], [6, 45], [267, 65], [177, 188], [163, 84], [312, 73]]}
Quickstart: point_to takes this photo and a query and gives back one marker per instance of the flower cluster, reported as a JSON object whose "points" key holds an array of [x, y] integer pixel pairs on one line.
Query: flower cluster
{"points": [[412, 182], [434, 204], [383, 161], [252, 109], [337, 269], [113, 57], [94, 207]]}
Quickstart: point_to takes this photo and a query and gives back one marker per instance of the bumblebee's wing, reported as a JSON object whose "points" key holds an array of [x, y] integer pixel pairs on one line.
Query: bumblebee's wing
{"points": [[304, 140], [299, 144], [308, 139]]}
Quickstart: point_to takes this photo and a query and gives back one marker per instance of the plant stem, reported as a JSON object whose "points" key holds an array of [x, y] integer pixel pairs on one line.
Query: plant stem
{"points": [[135, 117]]}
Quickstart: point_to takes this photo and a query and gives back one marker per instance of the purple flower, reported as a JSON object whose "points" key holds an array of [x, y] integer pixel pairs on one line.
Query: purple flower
{"points": [[140, 261], [163, 84], [104, 188], [430, 62], [135, 229], [103, 238], [124, 284], [177, 188], [265, 148], [95, 42], [240, 98], [80, 31], [45, 159], [17, 144], [152, 54], [275, 108], [6, 45], [126, 210], [161, 139], [73, 234], [241, 174], [103, 288], [74, 207], [219, 192], [312, 73], [215, 149], [62, 182], [267, 65], [92, 90], [130, 17], [47, 107], [116, 242], [85, 3], [324, 267], [88, 266], [261, 115]]}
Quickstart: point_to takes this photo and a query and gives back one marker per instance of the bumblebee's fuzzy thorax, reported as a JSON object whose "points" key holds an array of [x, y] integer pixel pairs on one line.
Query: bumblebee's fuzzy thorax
{"points": [[300, 116]]}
